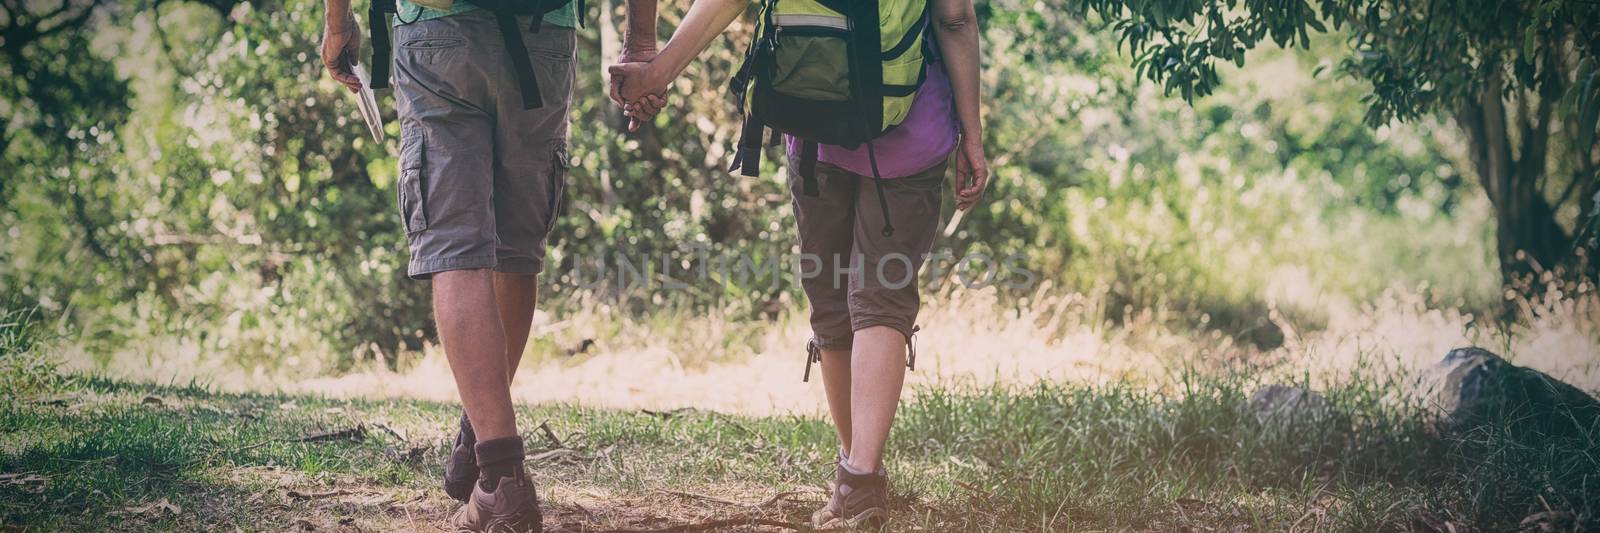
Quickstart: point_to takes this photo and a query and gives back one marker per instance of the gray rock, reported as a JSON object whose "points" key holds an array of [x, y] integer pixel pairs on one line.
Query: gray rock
{"points": [[1473, 387], [1278, 403]]}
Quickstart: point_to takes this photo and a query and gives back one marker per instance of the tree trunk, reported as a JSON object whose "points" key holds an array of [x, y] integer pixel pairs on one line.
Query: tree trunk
{"points": [[1528, 239]]}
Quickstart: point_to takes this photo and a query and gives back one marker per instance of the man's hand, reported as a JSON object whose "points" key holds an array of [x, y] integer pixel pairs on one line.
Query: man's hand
{"points": [[972, 171], [642, 109], [341, 45], [633, 85]]}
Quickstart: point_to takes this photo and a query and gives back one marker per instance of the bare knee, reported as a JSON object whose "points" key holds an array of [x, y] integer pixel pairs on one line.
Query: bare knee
{"points": [[462, 290]]}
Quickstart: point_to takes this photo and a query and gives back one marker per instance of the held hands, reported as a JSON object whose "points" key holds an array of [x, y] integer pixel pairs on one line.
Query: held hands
{"points": [[341, 45], [636, 87], [972, 171]]}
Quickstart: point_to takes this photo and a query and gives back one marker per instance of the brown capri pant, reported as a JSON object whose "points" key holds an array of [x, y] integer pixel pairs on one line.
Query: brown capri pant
{"points": [[857, 277]]}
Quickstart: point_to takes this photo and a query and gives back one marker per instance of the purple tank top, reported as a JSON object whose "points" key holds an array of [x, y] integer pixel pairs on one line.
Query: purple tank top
{"points": [[922, 140]]}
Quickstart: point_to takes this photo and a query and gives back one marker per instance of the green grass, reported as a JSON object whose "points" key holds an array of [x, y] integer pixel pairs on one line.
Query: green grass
{"points": [[1063, 457], [23, 368]]}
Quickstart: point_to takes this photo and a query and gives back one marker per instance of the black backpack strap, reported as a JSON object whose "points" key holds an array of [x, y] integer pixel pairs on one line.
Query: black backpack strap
{"points": [[747, 158], [813, 355], [382, 47], [520, 63], [883, 201], [808, 167], [740, 83]]}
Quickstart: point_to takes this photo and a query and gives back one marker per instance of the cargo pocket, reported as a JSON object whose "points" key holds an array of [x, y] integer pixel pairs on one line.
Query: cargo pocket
{"points": [[413, 209], [561, 162]]}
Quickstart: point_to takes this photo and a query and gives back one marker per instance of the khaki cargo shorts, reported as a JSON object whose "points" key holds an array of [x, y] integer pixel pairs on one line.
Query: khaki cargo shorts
{"points": [[481, 178], [864, 278]]}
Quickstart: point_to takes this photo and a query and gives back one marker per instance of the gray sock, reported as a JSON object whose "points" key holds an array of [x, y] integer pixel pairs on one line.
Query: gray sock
{"points": [[498, 458]]}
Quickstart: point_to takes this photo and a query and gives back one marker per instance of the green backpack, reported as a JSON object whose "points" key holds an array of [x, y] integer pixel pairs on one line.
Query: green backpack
{"points": [[840, 72]]}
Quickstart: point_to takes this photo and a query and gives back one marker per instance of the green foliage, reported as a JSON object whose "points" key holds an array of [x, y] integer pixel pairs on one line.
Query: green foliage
{"points": [[1518, 78], [239, 191], [231, 200], [1420, 57], [1199, 207]]}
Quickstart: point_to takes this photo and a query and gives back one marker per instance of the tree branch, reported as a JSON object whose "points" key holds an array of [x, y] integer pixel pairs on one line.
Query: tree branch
{"points": [[1471, 120], [80, 212]]}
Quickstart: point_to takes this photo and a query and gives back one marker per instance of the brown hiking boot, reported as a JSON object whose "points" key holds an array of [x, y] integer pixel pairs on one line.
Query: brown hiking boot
{"points": [[858, 502], [461, 468], [513, 507]]}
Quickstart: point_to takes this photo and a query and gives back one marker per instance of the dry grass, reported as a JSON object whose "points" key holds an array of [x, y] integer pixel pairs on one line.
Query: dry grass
{"points": [[970, 338]]}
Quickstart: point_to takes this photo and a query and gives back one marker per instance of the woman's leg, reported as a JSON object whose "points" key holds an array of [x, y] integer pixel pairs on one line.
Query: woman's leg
{"points": [[883, 302], [826, 226], [836, 385], [876, 374]]}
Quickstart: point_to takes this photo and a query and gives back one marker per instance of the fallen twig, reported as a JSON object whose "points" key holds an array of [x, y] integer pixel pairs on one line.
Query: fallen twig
{"points": [[411, 453], [713, 499], [785, 494], [674, 413], [775, 498], [253, 446], [714, 524], [544, 427], [157, 508], [356, 433], [392, 431], [27, 482], [557, 454], [316, 495]]}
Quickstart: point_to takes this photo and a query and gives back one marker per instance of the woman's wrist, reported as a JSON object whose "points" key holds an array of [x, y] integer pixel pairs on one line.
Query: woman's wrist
{"points": [[973, 135], [655, 77]]}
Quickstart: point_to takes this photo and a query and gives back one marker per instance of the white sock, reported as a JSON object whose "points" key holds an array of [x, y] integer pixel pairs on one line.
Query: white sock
{"points": [[844, 460], [852, 470]]}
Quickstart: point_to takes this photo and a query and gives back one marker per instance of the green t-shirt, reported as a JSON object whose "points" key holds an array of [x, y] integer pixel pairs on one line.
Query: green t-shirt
{"points": [[567, 16]]}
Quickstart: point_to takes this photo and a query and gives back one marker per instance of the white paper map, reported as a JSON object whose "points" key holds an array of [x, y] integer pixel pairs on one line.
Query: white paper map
{"points": [[368, 104]]}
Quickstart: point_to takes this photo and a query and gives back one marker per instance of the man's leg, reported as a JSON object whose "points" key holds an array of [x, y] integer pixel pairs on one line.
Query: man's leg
{"points": [[877, 372], [475, 344], [516, 295]]}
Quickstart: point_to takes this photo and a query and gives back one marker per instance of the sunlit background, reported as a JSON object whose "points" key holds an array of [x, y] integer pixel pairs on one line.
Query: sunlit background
{"points": [[190, 199]]}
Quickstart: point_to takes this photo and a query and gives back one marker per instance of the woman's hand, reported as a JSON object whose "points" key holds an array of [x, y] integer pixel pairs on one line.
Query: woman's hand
{"points": [[641, 87], [972, 171], [956, 28]]}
